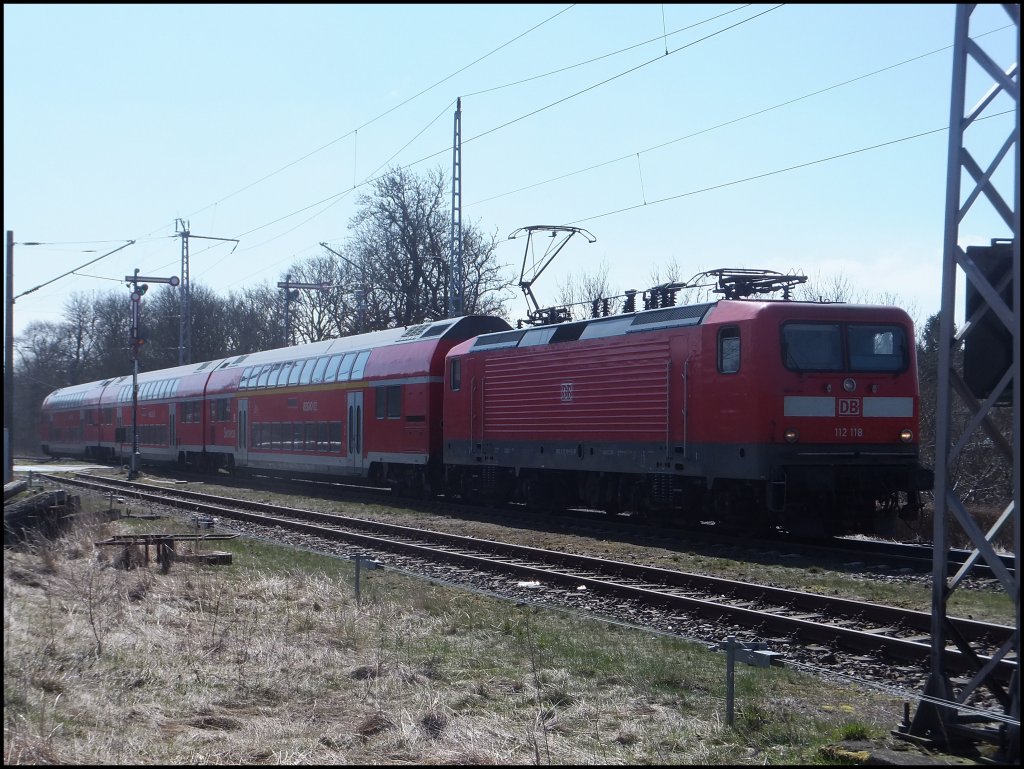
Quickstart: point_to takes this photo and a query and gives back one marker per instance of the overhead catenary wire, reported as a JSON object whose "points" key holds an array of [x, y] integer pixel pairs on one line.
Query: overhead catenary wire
{"points": [[747, 116], [607, 55], [373, 178], [335, 198], [354, 131], [71, 272], [776, 171], [338, 196], [723, 124]]}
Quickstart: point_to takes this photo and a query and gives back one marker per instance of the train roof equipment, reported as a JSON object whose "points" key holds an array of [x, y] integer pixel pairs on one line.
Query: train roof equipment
{"points": [[740, 283], [538, 316]]}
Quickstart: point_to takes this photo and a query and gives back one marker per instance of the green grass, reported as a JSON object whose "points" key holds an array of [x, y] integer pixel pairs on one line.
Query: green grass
{"points": [[271, 660]]}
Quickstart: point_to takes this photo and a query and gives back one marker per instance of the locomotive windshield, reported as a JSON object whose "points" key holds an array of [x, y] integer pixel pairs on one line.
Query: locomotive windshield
{"points": [[844, 347]]}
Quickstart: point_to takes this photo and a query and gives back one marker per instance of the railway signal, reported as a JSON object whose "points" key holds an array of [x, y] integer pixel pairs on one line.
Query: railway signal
{"points": [[291, 294], [137, 340]]}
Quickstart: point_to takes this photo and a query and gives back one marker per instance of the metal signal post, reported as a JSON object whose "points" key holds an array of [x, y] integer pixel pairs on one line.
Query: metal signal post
{"points": [[138, 291], [290, 295]]}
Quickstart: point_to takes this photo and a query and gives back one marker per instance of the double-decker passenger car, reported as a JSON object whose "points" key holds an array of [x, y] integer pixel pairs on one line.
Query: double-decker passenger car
{"points": [[366, 406]]}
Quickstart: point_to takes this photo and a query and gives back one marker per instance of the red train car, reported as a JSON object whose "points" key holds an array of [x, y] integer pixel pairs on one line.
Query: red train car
{"points": [[366, 406], [765, 411], [67, 423], [762, 412]]}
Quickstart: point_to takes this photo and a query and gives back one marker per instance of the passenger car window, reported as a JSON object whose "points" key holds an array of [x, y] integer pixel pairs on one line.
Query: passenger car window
{"points": [[332, 368], [360, 364], [271, 378], [307, 371], [346, 366], [261, 381], [286, 370], [388, 402], [318, 370]]}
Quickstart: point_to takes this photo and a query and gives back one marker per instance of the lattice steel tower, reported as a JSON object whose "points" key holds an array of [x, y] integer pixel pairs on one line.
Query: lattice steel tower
{"points": [[455, 303], [974, 397]]}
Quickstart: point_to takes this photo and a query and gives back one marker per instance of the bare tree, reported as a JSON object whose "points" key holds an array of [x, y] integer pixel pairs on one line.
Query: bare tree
{"points": [[581, 290], [399, 241], [829, 288], [80, 326], [44, 366], [254, 320], [111, 351], [695, 288], [486, 287]]}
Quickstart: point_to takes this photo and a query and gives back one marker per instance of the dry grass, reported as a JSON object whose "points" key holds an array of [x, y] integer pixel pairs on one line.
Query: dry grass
{"points": [[272, 661]]}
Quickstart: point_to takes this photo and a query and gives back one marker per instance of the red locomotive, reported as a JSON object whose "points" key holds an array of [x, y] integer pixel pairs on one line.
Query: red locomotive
{"points": [[759, 411], [762, 412]]}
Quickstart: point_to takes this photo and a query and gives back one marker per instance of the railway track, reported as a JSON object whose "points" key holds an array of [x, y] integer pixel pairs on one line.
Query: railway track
{"points": [[893, 642], [906, 558]]}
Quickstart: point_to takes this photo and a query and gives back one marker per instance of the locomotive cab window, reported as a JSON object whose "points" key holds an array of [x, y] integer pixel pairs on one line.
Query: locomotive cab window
{"points": [[877, 348], [455, 381], [844, 347], [729, 350], [812, 347]]}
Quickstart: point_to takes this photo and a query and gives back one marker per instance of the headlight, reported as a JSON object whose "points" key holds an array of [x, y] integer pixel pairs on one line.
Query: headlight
{"points": [[791, 435], [906, 436], [849, 384]]}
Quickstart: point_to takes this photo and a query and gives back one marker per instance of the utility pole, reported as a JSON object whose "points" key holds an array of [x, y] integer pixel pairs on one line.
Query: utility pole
{"points": [[360, 292], [9, 363], [455, 298], [185, 327], [138, 291]]}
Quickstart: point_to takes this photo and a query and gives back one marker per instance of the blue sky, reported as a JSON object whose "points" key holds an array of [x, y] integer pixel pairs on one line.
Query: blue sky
{"points": [[265, 123]]}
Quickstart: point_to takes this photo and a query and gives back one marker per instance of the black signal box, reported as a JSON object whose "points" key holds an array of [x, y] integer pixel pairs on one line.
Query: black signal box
{"points": [[988, 347]]}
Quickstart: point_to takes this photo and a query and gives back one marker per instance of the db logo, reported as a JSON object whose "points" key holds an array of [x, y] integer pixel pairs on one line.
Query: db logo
{"points": [[849, 407], [566, 392]]}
